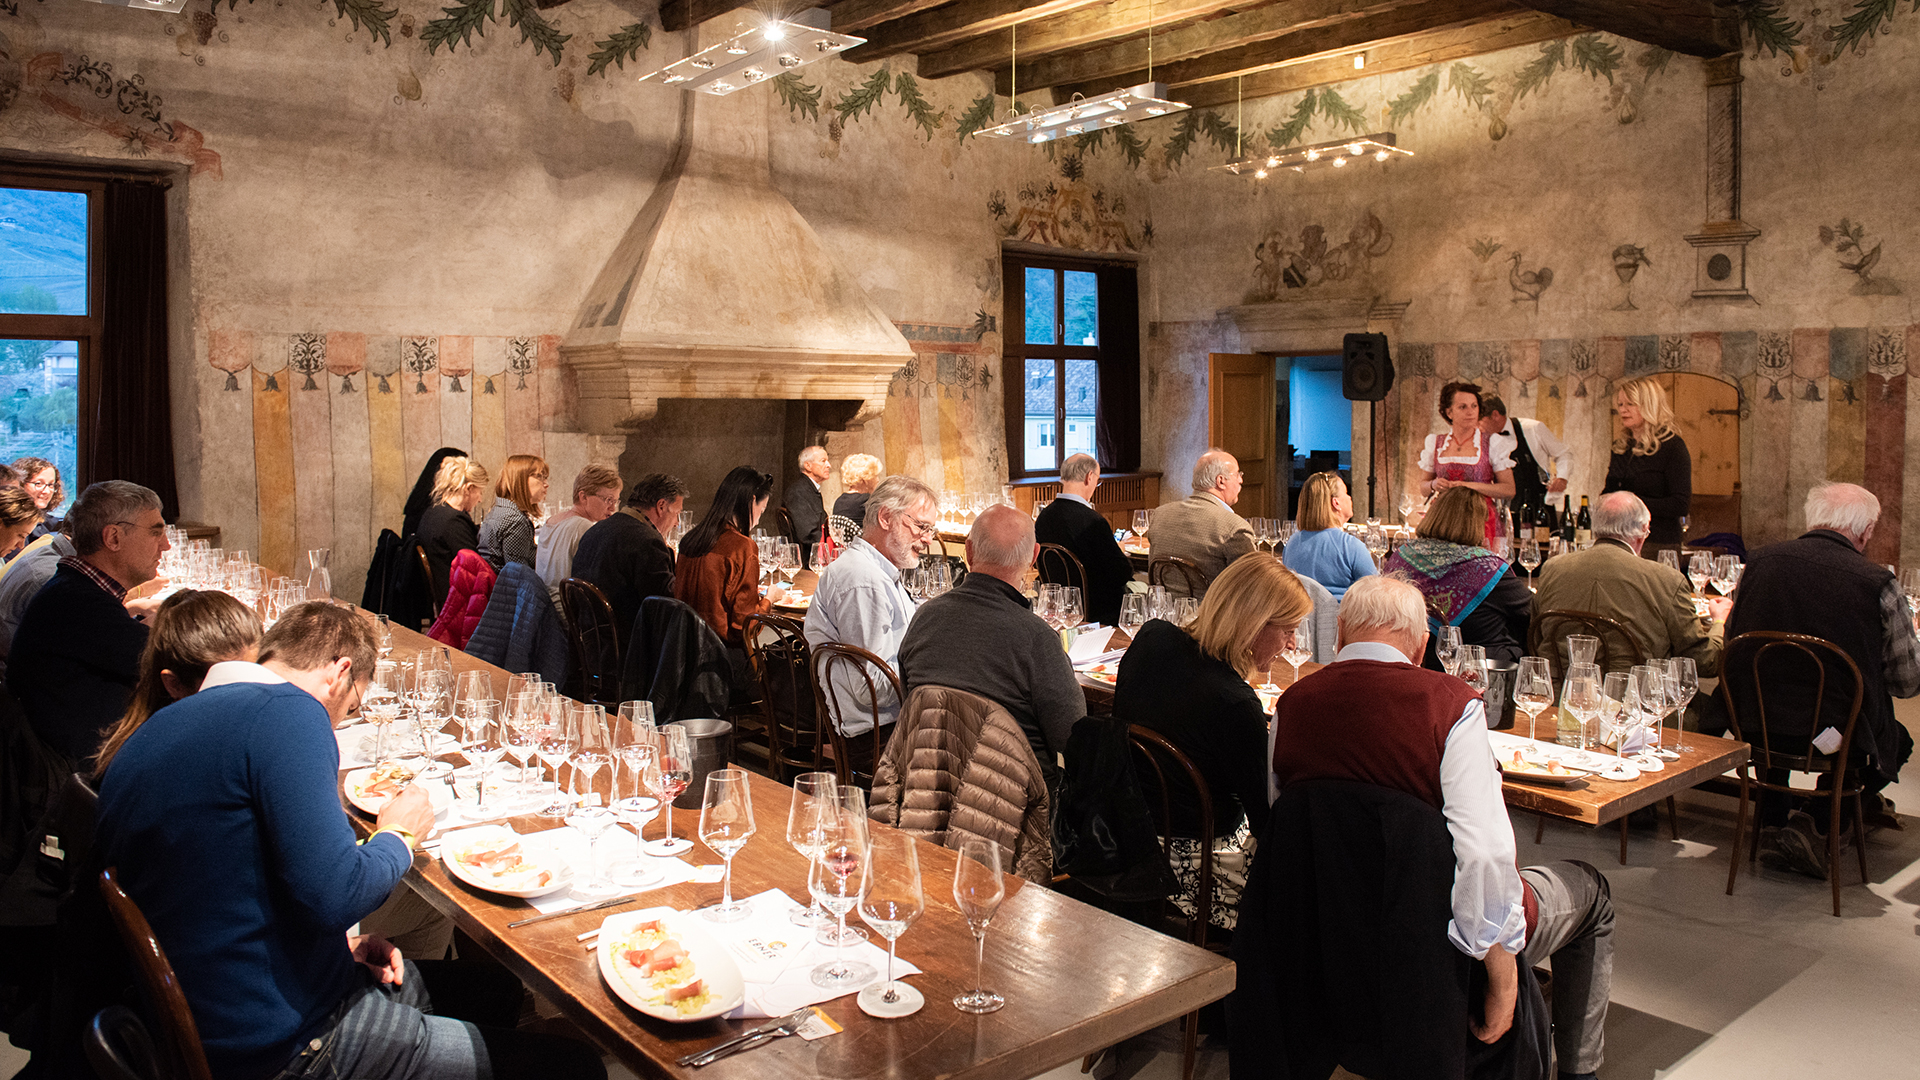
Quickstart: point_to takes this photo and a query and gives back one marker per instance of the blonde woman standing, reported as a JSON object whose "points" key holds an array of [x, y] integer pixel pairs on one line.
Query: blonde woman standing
{"points": [[1650, 458]]}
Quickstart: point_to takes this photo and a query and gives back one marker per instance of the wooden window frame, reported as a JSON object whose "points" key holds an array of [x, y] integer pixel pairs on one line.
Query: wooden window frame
{"points": [[85, 330], [1016, 352]]}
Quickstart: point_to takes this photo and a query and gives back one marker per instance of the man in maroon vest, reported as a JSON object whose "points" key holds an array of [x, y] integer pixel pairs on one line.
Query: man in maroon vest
{"points": [[1425, 733]]}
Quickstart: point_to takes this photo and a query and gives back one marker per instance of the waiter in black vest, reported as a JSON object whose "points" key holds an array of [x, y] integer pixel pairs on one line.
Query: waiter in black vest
{"points": [[1530, 444]]}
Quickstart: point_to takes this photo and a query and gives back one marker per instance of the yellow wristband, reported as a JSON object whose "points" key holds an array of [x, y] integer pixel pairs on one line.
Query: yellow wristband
{"points": [[406, 837]]}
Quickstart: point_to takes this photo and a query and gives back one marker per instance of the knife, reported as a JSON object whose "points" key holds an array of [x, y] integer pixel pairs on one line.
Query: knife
{"points": [[770, 1029], [615, 902]]}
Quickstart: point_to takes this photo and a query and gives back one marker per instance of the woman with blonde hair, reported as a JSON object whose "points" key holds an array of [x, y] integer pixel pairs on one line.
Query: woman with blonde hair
{"points": [[859, 475], [447, 528], [1193, 686], [190, 633], [1650, 458], [507, 534], [1323, 550], [1465, 584]]}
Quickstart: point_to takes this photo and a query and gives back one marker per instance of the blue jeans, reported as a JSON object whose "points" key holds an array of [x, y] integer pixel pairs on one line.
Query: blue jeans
{"points": [[405, 1033]]}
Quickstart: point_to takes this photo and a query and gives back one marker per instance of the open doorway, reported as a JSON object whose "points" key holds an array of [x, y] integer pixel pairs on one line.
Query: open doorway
{"points": [[1316, 419]]}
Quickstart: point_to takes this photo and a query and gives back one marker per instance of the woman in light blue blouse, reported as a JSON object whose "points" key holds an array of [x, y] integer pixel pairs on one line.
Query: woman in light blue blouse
{"points": [[1322, 550]]}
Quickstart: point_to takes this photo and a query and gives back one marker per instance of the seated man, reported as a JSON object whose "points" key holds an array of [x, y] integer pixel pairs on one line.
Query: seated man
{"points": [[627, 554], [76, 655], [22, 577], [1651, 599], [1071, 521], [1203, 529], [596, 495], [804, 502], [860, 600], [222, 814], [1425, 734], [983, 637], [1822, 584]]}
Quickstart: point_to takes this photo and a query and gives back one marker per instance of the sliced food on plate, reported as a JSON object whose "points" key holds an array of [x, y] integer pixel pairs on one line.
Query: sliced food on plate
{"points": [[499, 860], [664, 967], [370, 789]]}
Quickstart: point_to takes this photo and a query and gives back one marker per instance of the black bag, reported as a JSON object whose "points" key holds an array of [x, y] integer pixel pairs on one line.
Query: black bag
{"points": [[1103, 833]]}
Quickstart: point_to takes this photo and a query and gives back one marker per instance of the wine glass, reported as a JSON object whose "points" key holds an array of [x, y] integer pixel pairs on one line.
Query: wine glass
{"points": [[471, 686], [593, 821], [1723, 575], [381, 704], [1529, 560], [726, 824], [1446, 648], [834, 879], [1072, 606], [1683, 681], [978, 888], [1298, 648], [939, 578], [1473, 666], [432, 707], [676, 772], [592, 747], [806, 830], [1133, 613], [1185, 610], [891, 897], [554, 742], [1910, 586], [789, 562], [643, 764], [1699, 569], [1581, 699], [1533, 689], [1407, 505], [1670, 557], [519, 733], [1650, 702], [1142, 519], [483, 741], [1616, 697], [635, 737], [382, 625]]}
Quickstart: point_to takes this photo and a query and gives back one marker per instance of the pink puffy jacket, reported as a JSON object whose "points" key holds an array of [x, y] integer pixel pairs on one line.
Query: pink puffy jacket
{"points": [[469, 586]]}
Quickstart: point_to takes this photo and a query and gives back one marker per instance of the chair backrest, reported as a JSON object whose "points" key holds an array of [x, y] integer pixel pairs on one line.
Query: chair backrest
{"points": [[1060, 566], [595, 638], [853, 756], [1794, 662], [180, 1049], [1550, 629], [1161, 758], [1182, 577], [119, 1048], [781, 662], [784, 518], [845, 529], [426, 575]]}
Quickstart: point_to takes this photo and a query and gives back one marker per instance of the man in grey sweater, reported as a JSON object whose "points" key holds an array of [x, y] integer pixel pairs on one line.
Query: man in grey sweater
{"points": [[984, 638]]}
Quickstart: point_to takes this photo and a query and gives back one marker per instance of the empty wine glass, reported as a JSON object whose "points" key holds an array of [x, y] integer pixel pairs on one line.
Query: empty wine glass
{"points": [[1616, 699], [1185, 610], [1072, 607], [432, 708], [1298, 648], [1133, 613], [635, 736], [726, 824], [382, 625], [1582, 700], [483, 741], [519, 734], [1699, 569], [1446, 649], [834, 880], [1408, 504], [1670, 557], [1723, 574], [807, 817], [1683, 681], [554, 742], [1532, 689], [978, 889], [676, 772], [1650, 702], [891, 897], [592, 747], [643, 765], [381, 704], [1473, 666], [593, 821]]}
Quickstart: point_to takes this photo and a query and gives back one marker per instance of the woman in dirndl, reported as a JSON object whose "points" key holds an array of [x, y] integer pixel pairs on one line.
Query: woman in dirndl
{"points": [[1463, 455]]}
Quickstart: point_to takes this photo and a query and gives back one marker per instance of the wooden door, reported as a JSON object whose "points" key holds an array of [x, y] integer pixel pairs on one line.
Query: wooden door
{"points": [[1706, 411], [1240, 421]]}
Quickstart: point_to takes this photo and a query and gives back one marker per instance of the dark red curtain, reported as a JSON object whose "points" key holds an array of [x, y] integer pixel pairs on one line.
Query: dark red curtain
{"points": [[127, 426], [1117, 410]]}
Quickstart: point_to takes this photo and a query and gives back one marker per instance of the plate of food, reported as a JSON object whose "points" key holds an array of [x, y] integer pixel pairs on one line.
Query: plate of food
{"points": [[499, 860], [1553, 773], [371, 788], [662, 963]]}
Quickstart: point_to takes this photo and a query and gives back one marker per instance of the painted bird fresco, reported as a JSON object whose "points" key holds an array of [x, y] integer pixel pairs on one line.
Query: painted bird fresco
{"points": [[1527, 284]]}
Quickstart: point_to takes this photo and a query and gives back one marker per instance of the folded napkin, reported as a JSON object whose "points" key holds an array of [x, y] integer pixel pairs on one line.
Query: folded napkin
{"points": [[777, 958]]}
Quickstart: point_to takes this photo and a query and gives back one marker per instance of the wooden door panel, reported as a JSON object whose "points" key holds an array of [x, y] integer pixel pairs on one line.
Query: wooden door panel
{"points": [[1240, 421], [1706, 411]]}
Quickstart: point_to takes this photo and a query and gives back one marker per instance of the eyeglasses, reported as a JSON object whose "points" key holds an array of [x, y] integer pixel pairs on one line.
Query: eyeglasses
{"points": [[151, 530], [41, 485], [919, 527]]}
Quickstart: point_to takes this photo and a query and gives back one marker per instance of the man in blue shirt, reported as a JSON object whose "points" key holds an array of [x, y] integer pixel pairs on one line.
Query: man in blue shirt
{"points": [[223, 818]]}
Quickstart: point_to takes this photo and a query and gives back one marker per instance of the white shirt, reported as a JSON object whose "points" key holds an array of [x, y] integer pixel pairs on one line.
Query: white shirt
{"points": [[861, 602], [1541, 440], [1075, 498], [237, 671], [1431, 448], [1488, 909]]}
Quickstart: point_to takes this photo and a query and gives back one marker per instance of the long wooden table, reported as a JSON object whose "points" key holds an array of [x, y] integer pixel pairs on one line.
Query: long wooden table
{"points": [[1076, 979]]}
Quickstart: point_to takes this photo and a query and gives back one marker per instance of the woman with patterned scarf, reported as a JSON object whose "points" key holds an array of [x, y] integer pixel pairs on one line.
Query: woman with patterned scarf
{"points": [[1465, 584]]}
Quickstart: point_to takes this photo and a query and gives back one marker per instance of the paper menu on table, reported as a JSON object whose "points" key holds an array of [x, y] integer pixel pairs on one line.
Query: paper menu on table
{"points": [[1090, 644]]}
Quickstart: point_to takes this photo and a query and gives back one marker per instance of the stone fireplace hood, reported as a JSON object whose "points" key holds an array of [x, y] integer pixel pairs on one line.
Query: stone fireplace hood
{"points": [[720, 289]]}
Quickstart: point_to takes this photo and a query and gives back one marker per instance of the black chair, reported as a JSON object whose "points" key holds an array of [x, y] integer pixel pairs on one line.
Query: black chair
{"points": [[1162, 758], [782, 665], [118, 1047], [853, 758], [181, 1054], [595, 638], [1182, 577], [426, 575], [1800, 660], [1060, 566]]}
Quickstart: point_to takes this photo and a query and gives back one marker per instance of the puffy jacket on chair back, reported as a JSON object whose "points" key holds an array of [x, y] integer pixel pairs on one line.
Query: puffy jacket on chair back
{"points": [[469, 587], [959, 767]]}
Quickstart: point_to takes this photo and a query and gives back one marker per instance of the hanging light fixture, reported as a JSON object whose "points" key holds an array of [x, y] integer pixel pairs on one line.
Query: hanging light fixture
{"points": [[171, 7], [1084, 115], [1337, 154], [757, 54]]}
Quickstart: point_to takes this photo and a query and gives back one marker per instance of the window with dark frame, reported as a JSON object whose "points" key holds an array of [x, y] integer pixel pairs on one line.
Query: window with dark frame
{"points": [[1073, 361], [50, 317]]}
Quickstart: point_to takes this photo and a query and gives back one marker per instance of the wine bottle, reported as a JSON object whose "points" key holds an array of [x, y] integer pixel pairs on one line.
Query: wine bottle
{"points": [[1568, 530], [1543, 532], [1583, 527]]}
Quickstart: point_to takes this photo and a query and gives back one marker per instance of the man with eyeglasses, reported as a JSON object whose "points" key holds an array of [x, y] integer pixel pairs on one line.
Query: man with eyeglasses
{"points": [[76, 656], [1203, 528], [596, 495]]}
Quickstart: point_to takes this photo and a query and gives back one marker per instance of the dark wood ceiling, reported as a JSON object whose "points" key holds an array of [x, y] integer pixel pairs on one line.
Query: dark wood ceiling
{"points": [[1201, 47]]}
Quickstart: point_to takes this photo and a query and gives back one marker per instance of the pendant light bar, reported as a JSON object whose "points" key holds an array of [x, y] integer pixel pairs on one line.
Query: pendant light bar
{"points": [[1085, 115], [1337, 154], [756, 55]]}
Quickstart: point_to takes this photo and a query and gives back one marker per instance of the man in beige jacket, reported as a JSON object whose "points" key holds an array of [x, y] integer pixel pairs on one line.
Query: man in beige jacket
{"points": [[1203, 529]]}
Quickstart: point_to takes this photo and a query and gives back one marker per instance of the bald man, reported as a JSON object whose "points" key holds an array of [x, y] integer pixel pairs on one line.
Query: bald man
{"points": [[983, 637], [1203, 529]]}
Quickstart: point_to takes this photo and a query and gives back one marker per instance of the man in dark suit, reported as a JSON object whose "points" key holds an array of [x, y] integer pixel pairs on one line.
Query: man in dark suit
{"points": [[627, 555], [1072, 522], [804, 501]]}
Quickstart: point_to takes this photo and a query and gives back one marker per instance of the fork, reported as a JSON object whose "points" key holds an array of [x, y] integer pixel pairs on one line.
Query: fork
{"points": [[765, 1033]]}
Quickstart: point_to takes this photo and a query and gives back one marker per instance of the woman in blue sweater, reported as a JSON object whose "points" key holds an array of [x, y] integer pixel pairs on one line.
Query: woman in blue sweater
{"points": [[1322, 549]]}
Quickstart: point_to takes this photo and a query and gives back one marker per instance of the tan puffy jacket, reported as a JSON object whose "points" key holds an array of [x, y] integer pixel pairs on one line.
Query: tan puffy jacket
{"points": [[959, 767]]}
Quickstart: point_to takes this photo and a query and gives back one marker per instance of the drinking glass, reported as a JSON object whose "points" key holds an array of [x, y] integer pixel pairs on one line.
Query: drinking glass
{"points": [[635, 737], [1670, 557], [593, 745], [320, 585], [1532, 689], [1473, 666], [432, 708], [1683, 681], [1185, 610], [1142, 519], [554, 742], [1446, 649], [1407, 505], [1650, 700], [938, 578], [978, 889], [1582, 649], [789, 563], [1159, 602], [593, 821], [471, 686], [1529, 559], [1581, 699], [519, 734], [1288, 530], [382, 626], [726, 824], [318, 558], [812, 806], [834, 879], [1072, 607], [381, 704], [1298, 648], [1700, 568], [1723, 575], [1133, 613], [676, 772], [483, 741], [643, 764], [1616, 698], [891, 897]]}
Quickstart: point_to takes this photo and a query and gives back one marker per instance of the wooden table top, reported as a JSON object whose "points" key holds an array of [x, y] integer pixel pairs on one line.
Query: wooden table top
{"points": [[1595, 801], [1076, 979]]}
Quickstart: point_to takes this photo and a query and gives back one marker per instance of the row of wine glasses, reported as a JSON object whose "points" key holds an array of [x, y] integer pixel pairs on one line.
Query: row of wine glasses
{"points": [[1156, 603], [933, 577], [1060, 606], [1641, 697]]}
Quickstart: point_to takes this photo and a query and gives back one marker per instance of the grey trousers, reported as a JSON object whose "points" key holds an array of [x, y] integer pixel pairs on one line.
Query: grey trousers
{"points": [[1575, 931]]}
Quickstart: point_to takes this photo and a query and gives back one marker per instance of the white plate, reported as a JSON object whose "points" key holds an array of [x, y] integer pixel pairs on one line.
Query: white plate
{"points": [[355, 785], [1618, 770], [724, 986], [524, 884]]}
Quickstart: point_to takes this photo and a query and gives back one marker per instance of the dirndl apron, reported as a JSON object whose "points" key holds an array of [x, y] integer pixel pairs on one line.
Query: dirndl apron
{"points": [[1480, 472]]}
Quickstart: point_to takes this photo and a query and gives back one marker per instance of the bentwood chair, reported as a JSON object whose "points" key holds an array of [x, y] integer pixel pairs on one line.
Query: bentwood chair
{"points": [[118, 1046], [781, 661], [595, 638], [783, 520], [1060, 566], [869, 677], [1182, 577], [426, 575], [1620, 650], [181, 1054], [1163, 759], [1770, 668]]}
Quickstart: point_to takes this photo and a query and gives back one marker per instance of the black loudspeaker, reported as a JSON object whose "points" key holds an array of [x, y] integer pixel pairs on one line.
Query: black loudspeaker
{"points": [[1366, 371]]}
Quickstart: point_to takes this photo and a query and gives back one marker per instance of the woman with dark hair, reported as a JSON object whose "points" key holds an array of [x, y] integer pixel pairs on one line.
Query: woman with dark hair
{"points": [[718, 572], [41, 478], [191, 632], [422, 495], [1463, 456], [1465, 584], [19, 515]]}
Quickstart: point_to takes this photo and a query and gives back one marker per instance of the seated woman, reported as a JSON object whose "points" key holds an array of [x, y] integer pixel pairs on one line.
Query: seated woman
{"points": [[1323, 550], [1465, 584], [446, 528], [20, 515], [41, 478], [1193, 686], [859, 475], [191, 632], [718, 571], [507, 534]]}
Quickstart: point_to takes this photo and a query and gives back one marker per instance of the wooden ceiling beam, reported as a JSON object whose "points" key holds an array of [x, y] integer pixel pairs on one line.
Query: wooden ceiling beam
{"points": [[1693, 27], [1341, 39], [1419, 50], [853, 16], [951, 23], [1105, 62], [1118, 19]]}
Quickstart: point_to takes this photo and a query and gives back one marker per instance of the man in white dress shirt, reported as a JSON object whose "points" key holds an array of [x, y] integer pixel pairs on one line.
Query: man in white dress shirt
{"points": [[1531, 445], [860, 600]]}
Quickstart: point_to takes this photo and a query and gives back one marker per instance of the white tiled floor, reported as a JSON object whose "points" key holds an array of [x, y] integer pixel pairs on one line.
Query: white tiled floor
{"points": [[1764, 983]]}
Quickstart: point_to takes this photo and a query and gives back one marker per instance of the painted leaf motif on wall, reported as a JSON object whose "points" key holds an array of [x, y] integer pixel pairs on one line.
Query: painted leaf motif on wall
{"points": [[861, 99], [1402, 108], [801, 98], [978, 115], [624, 45]]}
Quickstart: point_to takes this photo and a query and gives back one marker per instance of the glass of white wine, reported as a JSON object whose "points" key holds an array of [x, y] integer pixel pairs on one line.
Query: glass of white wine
{"points": [[978, 889], [1533, 689], [1529, 560], [891, 897], [726, 824]]}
